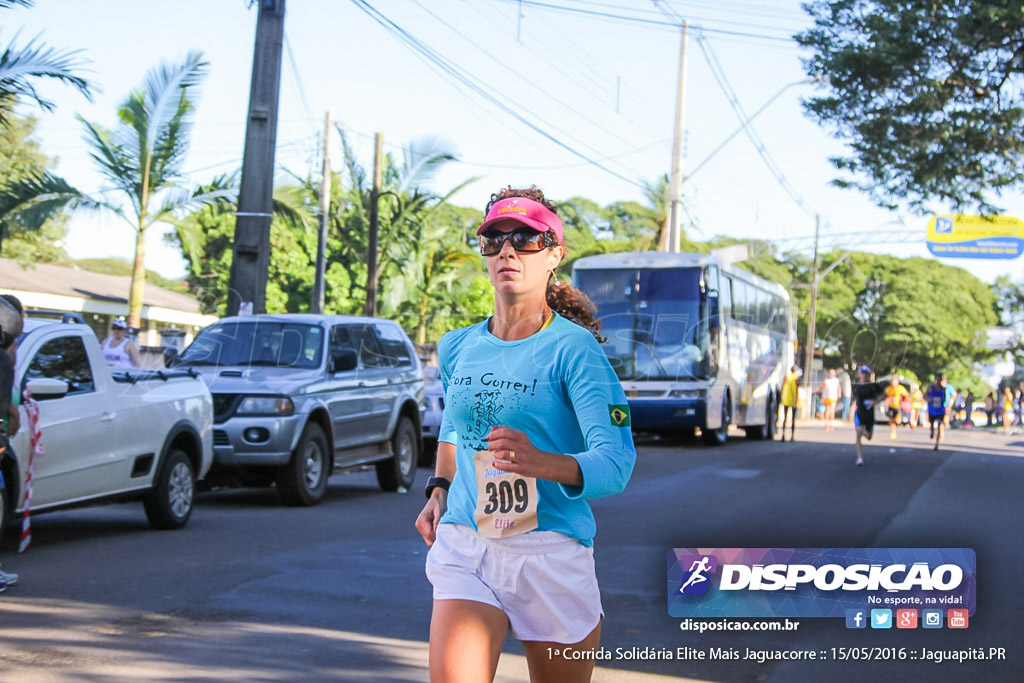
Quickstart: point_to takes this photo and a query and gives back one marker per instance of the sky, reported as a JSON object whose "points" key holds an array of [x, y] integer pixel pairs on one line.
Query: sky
{"points": [[604, 88]]}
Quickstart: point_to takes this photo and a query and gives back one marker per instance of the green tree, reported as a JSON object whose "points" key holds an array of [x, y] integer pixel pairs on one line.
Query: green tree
{"points": [[927, 95], [891, 313], [21, 162], [1009, 306]]}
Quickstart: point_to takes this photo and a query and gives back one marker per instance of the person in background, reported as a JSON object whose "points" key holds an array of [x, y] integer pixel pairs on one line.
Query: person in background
{"points": [[951, 393], [938, 410], [916, 406], [831, 391], [1019, 408], [990, 407], [846, 393], [11, 324], [789, 401], [866, 394], [894, 394], [1007, 409], [969, 407], [118, 349]]}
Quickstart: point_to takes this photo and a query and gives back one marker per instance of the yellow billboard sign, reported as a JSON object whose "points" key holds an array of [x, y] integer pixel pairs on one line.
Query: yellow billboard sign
{"points": [[991, 237]]}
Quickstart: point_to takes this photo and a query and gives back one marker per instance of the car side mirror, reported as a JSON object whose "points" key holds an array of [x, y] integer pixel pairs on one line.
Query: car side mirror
{"points": [[344, 359], [44, 388], [170, 357]]}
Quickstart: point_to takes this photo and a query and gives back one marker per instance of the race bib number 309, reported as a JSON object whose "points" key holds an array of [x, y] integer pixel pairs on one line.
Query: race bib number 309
{"points": [[506, 503]]}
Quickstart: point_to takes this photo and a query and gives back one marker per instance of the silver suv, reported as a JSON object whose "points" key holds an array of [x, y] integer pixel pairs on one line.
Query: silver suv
{"points": [[298, 397]]}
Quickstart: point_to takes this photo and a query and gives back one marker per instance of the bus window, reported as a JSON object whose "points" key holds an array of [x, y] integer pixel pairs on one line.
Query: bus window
{"points": [[739, 301], [725, 297]]}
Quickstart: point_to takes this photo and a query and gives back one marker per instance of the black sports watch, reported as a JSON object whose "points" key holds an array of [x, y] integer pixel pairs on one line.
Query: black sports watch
{"points": [[437, 483]]}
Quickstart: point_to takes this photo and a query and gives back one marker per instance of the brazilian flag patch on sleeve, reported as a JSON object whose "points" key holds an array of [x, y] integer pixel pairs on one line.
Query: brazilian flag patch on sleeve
{"points": [[619, 415]]}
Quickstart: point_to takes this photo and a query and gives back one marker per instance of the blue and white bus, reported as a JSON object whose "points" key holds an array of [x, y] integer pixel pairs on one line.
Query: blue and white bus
{"points": [[695, 342]]}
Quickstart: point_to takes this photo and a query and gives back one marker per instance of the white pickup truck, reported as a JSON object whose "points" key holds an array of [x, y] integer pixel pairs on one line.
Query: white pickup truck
{"points": [[107, 435]]}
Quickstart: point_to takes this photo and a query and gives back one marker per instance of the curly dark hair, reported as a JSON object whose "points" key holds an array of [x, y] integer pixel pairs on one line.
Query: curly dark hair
{"points": [[566, 300]]}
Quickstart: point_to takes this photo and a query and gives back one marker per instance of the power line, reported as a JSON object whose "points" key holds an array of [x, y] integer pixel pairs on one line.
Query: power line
{"points": [[651, 22], [719, 74], [468, 82], [560, 101]]}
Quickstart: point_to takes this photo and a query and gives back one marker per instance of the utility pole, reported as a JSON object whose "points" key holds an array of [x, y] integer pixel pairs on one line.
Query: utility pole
{"points": [[812, 319], [676, 181], [248, 280], [317, 305], [371, 251]]}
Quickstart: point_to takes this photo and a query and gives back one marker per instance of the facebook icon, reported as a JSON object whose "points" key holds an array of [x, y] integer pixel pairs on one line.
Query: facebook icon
{"points": [[856, 618]]}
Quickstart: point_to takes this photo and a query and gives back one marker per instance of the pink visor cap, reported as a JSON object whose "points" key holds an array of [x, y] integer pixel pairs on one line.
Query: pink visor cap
{"points": [[526, 211]]}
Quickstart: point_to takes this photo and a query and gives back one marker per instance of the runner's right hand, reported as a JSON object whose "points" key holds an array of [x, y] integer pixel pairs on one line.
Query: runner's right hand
{"points": [[431, 514]]}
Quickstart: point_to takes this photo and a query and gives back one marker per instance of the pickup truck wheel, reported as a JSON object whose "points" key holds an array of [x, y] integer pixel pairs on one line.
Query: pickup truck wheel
{"points": [[400, 470], [169, 503], [303, 480]]}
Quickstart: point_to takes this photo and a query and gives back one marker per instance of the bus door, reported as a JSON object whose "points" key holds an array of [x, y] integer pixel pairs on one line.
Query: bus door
{"points": [[711, 314]]}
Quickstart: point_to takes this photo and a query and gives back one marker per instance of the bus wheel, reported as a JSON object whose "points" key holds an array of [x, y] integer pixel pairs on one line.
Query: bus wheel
{"points": [[717, 437], [767, 430]]}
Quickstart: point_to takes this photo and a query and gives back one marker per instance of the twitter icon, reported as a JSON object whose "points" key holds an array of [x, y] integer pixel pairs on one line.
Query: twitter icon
{"points": [[881, 618]]}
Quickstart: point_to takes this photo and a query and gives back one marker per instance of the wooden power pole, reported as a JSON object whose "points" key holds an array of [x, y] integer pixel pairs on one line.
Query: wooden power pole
{"points": [[676, 179], [248, 280], [317, 305], [371, 251]]}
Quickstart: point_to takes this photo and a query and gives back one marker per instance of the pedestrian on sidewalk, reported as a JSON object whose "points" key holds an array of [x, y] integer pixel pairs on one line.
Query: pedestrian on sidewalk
{"points": [[866, 394], [507, 520], [790, 396], [990, 407], [1008, 415]]}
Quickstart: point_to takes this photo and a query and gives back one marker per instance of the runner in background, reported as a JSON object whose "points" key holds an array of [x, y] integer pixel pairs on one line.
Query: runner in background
{"points": [[950, 395], [917, 406], [847, 385], [866, 394], [790, 395], [894, 395], [937, 408], [831, 392]]}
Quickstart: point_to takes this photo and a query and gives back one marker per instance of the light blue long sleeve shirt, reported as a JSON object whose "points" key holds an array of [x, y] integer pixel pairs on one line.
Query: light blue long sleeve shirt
{"points": [[557, 387]]}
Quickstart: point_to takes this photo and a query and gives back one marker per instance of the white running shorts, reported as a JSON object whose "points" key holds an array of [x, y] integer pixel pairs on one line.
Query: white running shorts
{"points": [[543, 580]]}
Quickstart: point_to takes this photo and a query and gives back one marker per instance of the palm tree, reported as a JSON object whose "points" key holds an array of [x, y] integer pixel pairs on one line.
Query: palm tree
{"points": [[659, 198], [143, 156], [20, 66]]}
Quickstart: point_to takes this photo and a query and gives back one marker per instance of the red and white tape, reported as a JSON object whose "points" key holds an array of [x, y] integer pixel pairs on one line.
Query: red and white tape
{"points": [[32, 408]]}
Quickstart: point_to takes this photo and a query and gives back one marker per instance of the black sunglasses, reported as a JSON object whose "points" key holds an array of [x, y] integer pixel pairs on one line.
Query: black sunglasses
{"points": [[524, 240]]}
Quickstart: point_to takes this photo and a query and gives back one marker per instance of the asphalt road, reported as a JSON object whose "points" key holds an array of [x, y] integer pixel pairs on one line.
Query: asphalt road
{"points": [[251, 591]]}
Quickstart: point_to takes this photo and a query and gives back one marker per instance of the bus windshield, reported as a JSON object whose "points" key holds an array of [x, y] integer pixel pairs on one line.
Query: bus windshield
{"points": [[652, 319]]}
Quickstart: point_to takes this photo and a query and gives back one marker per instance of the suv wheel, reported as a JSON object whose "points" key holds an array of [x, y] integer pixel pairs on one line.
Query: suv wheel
{"points": [[169, 503], [400, 470], [304, 479]]}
